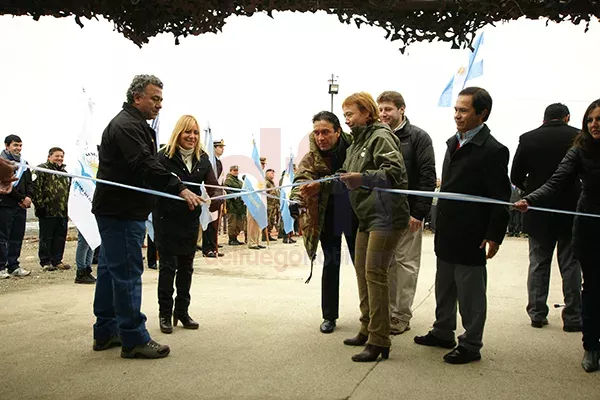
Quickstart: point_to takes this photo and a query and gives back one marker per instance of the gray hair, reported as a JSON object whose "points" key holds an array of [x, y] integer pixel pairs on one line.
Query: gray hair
{"points": [[139, 84]]}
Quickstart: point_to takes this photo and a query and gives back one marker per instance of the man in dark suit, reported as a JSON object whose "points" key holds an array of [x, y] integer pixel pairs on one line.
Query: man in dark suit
{"points": [[210, 242], [538, 155], [475, 164]]}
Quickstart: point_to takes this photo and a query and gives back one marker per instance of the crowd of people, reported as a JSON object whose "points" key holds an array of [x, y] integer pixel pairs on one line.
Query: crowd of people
{"points": [[555, 166]]}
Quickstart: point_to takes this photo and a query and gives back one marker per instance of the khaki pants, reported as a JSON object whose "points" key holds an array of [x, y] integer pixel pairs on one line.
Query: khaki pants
{"points": [[404, 273], [374, 254], [235, 224], [253, 231]]}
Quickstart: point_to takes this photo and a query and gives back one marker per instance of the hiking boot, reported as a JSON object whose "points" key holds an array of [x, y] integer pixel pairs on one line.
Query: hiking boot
{"points": [[151, 349], [20, 272], [81, 276], [113, 341], [4, 274], [49, 267], [89, 272], [398, 327], [63, 266]]}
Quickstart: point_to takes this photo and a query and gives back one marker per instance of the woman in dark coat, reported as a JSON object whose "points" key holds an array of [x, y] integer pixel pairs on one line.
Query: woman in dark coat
{"points": [[583, 160], [176, 226]]}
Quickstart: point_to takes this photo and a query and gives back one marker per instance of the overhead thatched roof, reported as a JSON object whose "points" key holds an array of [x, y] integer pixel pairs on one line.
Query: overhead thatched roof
{"points": [[407, 21]]}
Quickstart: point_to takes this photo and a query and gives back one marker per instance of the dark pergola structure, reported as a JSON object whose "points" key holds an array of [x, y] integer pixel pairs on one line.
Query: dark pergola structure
{"points": [[406, 21]]}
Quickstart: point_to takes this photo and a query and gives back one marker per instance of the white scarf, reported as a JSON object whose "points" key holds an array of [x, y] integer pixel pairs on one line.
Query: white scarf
{"points": [[187, 156]]}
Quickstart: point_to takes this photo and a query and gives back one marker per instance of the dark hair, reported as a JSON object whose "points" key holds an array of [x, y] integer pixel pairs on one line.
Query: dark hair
{"points": [[138, 85], [12, 138], [54, 150], [270, 169], [391, 96], [329, 117], [556, 111], [584, 135], [481, 100]]}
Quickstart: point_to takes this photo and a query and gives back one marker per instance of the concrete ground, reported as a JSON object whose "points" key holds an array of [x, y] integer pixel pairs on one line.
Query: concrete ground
{"points": [[259, 339]]}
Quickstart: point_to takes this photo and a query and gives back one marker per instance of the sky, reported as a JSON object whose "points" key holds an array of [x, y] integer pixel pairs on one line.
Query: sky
{"points": [[271, 75]]}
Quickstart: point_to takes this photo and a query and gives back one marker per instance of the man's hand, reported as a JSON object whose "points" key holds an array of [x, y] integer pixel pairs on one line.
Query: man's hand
{"points": [[352, 180], [25, 203], [414, 224], [521, 205], [310, 190], [492, 250], [191, 198]]}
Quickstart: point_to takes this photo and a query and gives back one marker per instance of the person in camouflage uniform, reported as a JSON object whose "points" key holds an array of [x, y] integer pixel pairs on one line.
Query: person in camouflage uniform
{"points": [[328, 215], [50, 198], [274, 213], [236, 209]]}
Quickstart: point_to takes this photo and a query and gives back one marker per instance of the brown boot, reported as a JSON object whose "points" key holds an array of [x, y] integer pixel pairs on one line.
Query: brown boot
{"points": [[358, 340], [371, 353]]}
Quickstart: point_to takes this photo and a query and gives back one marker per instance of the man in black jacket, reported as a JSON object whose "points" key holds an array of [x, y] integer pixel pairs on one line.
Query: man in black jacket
{"points": [[417, 151], [210, 237], [475, 164], [538, 155], [128, 156], [13, 212]]}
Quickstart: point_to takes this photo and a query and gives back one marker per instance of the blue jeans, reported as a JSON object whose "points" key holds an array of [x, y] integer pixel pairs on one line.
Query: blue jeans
{"points": [[118, 297], [84, 254]]}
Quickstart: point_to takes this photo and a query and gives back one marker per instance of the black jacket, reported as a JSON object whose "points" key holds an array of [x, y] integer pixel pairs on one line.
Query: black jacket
{"points": [[480, 168], [23, 189], [538, 155], [175, 225], [417, 151], [582, 162], [128, 155]]}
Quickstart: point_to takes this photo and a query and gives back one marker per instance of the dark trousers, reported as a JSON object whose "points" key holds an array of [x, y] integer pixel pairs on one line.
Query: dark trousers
{"points": [[541, 248], [151, 253], [331, 243], [118, 296], [515, 223], [209, 238], [53, 235], [466, 284], [178, 270], [12, 231], [590, 305]]}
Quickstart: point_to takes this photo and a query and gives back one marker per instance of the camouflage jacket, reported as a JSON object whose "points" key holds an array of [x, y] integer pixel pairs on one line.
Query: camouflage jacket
{"points": [[272, 202], [234, 206], [51, 192], [313, 166]]}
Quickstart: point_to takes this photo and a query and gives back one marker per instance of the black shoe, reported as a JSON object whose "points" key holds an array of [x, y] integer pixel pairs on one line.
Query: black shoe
{"points": [[220, 254], [113, 341], [272, 239], [151, 349], [572, 328], [81, 276], [210, 254], [371, 353], [186, 321], [290, 240], [89, 273], [358, 340], [153, 266], [327, 326], [234, 242], [260, 246], [254, 248], [434, 341], [462, 355], [590, 362], [539, 324], [220, 246], [286, 240], [165, 324]]}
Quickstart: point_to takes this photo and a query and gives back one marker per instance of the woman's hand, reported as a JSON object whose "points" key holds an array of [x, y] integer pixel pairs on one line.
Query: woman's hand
{"points": [[352, 180], [521, 205]]}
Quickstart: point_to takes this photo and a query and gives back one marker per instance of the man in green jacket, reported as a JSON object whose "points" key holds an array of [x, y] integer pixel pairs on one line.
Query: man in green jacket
{"points": [[50, 197], [236, 209], [328, 215]]}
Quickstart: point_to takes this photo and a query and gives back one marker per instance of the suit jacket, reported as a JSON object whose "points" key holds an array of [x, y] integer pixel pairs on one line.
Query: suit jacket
{"points": [[480, 168], [537, 158]]}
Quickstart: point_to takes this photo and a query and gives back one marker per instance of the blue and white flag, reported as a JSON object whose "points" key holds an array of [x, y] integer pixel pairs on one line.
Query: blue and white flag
{"points": [[472, 70], [19, 172], [284, 195], [156, 126], [210, 148], [82, 190], [205, 217], [255, 204], [256, 159]]}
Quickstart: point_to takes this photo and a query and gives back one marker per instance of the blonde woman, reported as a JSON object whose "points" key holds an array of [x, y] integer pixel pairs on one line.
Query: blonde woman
{"points": [[176, 226], [373, 160]]}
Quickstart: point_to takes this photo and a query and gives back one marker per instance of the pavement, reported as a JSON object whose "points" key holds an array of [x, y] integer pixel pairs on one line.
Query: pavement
{"points": [[259, 339]]}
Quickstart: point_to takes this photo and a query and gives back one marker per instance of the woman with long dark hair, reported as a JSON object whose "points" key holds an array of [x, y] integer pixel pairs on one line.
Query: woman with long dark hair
{"points": [[582, 160]]}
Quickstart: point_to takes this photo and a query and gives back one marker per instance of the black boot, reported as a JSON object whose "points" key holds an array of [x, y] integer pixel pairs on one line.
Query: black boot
{"points": [[81, 276], [89, 272], [285, 240], [165, 324], [186, 320]]}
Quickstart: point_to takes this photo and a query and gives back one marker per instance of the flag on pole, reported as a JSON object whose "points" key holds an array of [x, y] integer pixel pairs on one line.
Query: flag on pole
{"points": [[82, 191], [156, 126], [472, 70], [210, 148], [255, 204], [286, 217], [205, 216], [256, 158]]}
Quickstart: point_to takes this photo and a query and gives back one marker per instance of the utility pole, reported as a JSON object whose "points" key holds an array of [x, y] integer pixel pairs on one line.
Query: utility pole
{"points": [[334, 88]]}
